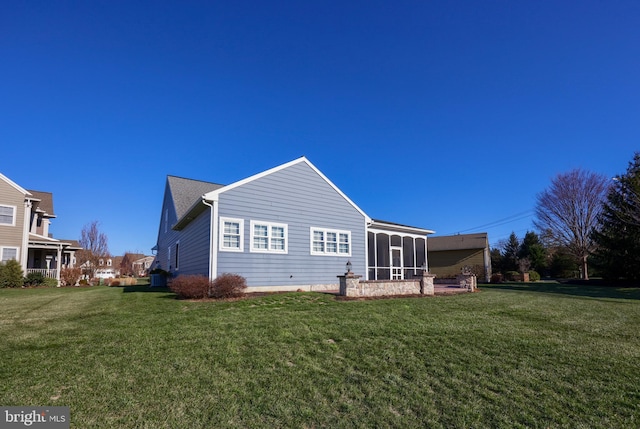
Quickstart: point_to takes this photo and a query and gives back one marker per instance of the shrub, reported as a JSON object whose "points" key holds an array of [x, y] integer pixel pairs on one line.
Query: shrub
{"points": [[512, 276], [534, 276], [228, 286], [83, 282], [34, 279], [190, 287], [48, 282], [114, 283], [496, 278], [70, 276], [11, 274]]}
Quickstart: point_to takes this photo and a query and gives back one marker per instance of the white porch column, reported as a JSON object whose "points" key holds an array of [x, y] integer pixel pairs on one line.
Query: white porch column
{"points": [[24, 252], [59, 264]]}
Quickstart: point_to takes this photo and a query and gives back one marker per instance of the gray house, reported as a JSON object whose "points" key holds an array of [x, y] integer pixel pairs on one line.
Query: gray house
{"points": [[286, 228]]}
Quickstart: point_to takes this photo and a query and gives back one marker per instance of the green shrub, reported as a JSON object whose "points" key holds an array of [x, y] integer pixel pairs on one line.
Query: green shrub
{"points": [[534, 276], [512, 276], [190, 287], [228, 286], [34, 279], [48, 282], [11, 274]]}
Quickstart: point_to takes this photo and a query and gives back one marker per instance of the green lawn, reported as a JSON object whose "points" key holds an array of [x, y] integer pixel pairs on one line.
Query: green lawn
{"points": [[509, 356]]}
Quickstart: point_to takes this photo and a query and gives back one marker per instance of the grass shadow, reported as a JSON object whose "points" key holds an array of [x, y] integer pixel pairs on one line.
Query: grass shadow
{"points": [[572, 289], [144, 288]]}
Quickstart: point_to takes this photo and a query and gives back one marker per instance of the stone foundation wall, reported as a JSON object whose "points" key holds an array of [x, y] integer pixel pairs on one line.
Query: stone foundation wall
{"points": [[350, 285]]}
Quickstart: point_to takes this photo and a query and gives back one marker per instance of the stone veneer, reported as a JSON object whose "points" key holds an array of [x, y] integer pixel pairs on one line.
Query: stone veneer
{"points": [[350, 285]]}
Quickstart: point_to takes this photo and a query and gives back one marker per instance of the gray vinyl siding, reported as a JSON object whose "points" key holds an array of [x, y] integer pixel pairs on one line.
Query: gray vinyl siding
{"points": [[193, 241], [299, 197], [194, 246], [11, 236]]}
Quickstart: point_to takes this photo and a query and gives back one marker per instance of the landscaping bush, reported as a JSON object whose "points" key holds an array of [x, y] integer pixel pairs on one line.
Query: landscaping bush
{"points": [[48, 282], [513, 276], [34, 279], [83, 282], [228, 286], [70, 276], [190, 287], [496, 278], [11, 274], [534, 276]]}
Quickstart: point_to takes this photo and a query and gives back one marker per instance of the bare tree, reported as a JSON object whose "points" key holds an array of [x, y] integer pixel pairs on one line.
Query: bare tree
{"points": [[567, 212], [94, 248]]}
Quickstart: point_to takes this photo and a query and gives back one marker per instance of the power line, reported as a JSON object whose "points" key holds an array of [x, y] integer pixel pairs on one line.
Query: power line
{"points": [[499, 222]]}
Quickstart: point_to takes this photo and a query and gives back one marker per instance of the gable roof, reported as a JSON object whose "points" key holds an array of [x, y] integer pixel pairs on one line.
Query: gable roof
{"points": [[397, 227], [14, 185], [213, 195], [459, 242], [197, 205], [186, 192]]}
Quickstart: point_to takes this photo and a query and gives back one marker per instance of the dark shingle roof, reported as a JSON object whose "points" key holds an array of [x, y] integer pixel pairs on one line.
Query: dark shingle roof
{"points": [[186, 192], [46, 201], [459, 242]]}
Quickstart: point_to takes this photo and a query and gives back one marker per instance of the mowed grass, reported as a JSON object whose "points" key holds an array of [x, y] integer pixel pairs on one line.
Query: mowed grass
{"points": [[509, 356]]}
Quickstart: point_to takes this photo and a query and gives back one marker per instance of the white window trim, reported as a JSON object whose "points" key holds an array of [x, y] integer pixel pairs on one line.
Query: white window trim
{"points": [[269, 225], [221, 245], [13, 218], [325, 252], [17, 249]]}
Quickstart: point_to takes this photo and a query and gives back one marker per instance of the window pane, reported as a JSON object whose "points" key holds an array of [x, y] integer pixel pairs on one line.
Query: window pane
{"points": [[231, 228], [9, 253], [318, 236], [332, 247], [344, 243], [260, 230], [260, 242], [318, 246], [232, 241], [277, 232], [6, 215], [277, 244]]}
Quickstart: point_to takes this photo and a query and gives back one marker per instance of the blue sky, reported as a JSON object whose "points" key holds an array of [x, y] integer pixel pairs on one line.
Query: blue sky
{"points": [[445, 115]]}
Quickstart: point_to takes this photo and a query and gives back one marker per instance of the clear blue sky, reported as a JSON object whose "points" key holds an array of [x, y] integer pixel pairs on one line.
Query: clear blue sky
{"points": [[447, 115]]}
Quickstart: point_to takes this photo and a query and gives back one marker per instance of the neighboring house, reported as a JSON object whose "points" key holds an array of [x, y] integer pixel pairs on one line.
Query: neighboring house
{"points": [[285, 228], [142, 265], [448, 255], [24, 231]]}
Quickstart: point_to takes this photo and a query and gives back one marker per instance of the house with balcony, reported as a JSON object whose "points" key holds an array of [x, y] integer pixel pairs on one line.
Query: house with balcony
{"points": [[25, 216]]}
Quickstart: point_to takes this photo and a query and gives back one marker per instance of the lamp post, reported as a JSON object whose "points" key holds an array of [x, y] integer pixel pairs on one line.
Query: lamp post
{"points": [[348, 267]]}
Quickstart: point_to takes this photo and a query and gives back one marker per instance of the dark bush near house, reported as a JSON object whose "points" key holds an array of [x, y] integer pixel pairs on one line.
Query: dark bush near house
{"points": [[513, 276], [34, 279], [534, 276], [190, 287], [496, 278], [83, 282], [11, 274], [70, 276], [228, 286]]}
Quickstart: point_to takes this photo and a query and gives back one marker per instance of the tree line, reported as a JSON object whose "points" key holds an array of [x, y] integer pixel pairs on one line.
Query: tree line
{"points": [[586, 224]]}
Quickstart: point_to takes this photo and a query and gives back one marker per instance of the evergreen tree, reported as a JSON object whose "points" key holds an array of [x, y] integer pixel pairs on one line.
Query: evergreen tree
{"points": [[510, 253], [11, 274], [618, 239], [533, 250]]}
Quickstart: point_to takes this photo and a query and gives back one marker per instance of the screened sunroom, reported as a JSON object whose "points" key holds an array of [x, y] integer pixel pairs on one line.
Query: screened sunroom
{"points": [[396, 252]]}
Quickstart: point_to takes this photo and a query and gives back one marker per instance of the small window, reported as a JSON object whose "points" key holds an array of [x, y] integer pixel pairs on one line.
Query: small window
{"points": [[330, 242], [109, 262], [8, 215], [268, 237], [8, 253], [232, 234]]}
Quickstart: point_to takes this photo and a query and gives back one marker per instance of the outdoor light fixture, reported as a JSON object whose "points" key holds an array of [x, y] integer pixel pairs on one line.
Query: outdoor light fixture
{"points": [[348, 266]]}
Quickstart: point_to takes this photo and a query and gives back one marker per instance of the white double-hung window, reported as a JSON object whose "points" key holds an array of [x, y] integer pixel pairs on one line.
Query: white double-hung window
{"points": [[8, 253], [7, 215], [268, 237], [330, 242], [231, 234]]}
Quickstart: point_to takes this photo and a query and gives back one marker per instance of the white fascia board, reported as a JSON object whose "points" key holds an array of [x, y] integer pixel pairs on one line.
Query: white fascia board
{"points": [[386, 228], [15, 185], [214, 195]]}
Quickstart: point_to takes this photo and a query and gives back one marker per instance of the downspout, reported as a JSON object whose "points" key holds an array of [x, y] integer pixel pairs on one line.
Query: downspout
{"points": [[213, 238]]}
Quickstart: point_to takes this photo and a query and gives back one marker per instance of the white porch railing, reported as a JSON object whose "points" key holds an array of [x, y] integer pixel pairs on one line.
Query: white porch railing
{"points": [[51, 274]]}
